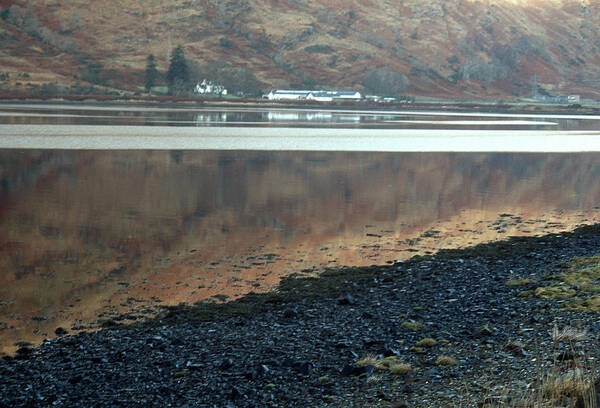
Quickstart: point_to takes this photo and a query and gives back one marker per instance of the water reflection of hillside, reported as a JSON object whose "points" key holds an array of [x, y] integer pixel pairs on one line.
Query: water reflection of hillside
{"points": [[78, 227], [209, 117], [57, 115], [147, 195], [156, 198], [307, 116]]}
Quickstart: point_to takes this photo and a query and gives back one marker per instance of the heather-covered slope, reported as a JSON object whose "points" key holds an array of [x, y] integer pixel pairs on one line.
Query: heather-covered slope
{"points": [[459, 48]]}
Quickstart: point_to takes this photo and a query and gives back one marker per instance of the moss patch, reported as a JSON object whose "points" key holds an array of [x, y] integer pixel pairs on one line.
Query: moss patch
{"points": [[589, 303], [414, 326], [519, 282], [579, 283], [554, 292], [585, 262], [182, 373], [400, 369]]}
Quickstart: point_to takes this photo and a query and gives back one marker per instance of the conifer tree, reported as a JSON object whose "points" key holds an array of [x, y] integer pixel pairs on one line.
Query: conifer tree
{"points": [[151, 73], [178, 73]]}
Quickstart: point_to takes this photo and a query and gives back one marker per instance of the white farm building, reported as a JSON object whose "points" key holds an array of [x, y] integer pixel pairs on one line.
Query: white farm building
{"points": [[288, 95], [328, 96], [321, 96]]}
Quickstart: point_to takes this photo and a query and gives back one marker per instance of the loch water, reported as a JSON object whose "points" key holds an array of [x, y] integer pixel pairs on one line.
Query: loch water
{"points": [[87, 235]]}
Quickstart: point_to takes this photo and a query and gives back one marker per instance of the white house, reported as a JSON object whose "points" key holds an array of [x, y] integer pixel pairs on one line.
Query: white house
{"points": [[210, 87]]}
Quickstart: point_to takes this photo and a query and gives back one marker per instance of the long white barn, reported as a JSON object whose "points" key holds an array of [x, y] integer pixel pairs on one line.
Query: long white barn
{"points": [[321, 96], [328, 96], [285, 94]]}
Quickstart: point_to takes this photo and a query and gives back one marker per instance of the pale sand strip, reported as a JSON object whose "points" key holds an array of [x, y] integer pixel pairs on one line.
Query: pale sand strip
{"points": [[305, 139]]}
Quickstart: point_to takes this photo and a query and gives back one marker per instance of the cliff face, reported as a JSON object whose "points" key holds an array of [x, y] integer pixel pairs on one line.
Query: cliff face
{"points": [[459, 48]]}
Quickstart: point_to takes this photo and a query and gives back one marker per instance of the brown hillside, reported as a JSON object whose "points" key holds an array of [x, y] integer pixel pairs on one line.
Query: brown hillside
{"points": [[460, 48]]}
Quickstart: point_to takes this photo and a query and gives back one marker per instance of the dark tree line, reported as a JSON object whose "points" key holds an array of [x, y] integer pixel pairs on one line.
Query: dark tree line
{"points": [[177, 76], [183, 74], [234, 79], [385, 82]]}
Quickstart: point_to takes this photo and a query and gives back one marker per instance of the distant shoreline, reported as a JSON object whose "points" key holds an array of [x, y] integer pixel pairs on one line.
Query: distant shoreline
{"points": [[172, 103]]}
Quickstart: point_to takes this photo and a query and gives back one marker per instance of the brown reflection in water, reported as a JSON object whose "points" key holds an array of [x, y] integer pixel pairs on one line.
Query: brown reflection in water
{"points": [[93, 234]]}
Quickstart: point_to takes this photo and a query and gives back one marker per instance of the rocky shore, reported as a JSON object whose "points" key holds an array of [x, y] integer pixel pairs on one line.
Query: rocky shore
{"points": [[461, 328]]}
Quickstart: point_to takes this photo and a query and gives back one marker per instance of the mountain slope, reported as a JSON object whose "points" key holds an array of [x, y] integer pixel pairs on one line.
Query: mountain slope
{"points": [[460, 48]]}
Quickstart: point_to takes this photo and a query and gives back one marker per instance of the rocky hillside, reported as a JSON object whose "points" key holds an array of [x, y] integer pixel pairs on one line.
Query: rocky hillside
{"points": [[458, 48]]}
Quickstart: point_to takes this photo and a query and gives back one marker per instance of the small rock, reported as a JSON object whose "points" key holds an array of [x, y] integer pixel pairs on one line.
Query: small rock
{"points": [[24, 352], [485, 331], [60, 331], [353, 370], [193, 366], [226, 364], [303, 368], [236, 393], [347, 300], [387, 351], [566, 356], [108, 323]]}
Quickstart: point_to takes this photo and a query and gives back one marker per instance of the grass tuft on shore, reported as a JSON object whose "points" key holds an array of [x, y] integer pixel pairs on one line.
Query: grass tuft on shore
{"points": [[569, 383], [573, 385], [391, 364], [446, 361], [369, 360], [427, 342]]}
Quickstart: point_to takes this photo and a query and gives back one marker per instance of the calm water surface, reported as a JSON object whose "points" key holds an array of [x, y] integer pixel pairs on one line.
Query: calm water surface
{"points": [[87, 235], [277, 117]]}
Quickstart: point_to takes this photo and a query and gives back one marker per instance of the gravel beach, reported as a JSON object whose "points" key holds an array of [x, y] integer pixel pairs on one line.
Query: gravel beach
{"points": [[299, 346]]}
